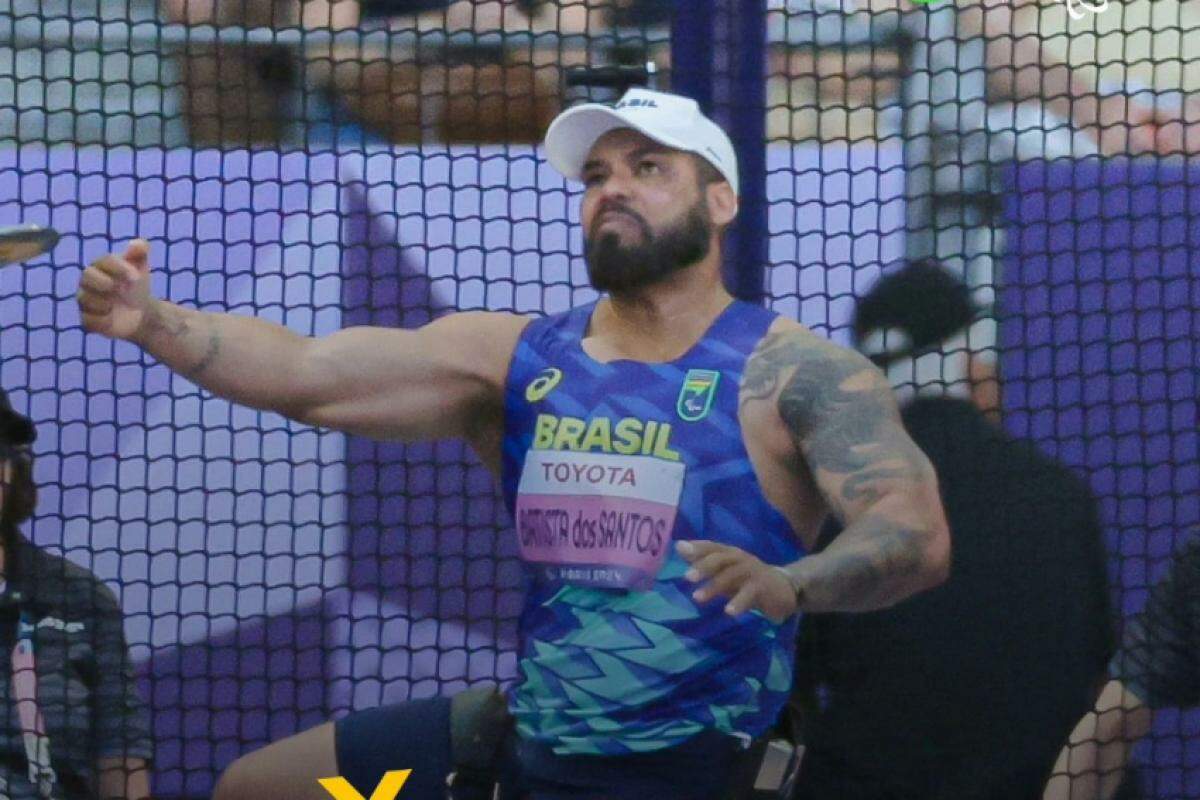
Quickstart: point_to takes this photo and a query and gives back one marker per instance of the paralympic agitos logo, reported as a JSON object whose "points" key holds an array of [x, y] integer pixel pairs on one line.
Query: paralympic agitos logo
{"points": [[1078, 9]]}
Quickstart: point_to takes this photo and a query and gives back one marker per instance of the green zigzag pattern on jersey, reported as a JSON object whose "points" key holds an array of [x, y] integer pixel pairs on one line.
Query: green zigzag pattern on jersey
{"points": [[726, 717], [606, 674], [605, 671], [667, 604], [779, 675]]}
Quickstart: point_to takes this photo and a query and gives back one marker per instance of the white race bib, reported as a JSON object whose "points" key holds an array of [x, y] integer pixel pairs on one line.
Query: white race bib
{"points": [[597, 519]]}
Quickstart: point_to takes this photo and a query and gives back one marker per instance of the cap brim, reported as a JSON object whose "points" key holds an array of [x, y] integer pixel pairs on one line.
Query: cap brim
{"points": [[572, 136]]}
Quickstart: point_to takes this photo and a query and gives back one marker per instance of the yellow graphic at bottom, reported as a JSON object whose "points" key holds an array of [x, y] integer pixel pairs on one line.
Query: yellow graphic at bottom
{"points": [[388, 787]]}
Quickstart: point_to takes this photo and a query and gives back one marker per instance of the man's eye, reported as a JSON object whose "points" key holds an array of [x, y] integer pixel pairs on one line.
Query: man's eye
{"points": [[649, 168], [593, 179]]}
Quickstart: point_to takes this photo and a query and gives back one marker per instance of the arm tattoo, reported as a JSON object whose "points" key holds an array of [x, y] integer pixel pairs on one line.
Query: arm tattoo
{"points": [[841, 415], [210, 355], [844, 422], [175, 325], [871, 571]]}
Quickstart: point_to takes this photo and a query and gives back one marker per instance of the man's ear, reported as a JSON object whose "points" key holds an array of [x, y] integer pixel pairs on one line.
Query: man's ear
{"points": [[722, 203]]}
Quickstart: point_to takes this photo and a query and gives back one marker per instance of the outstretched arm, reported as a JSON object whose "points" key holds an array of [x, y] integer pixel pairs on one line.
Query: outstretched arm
{"points": [[438, 381], [844, 421]]}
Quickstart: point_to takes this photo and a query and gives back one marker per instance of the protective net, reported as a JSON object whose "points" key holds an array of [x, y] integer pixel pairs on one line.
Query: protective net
{"points": [[994, 139], [331, 163]]}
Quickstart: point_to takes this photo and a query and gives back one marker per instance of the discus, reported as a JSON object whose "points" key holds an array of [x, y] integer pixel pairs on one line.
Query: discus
{"points": [[22, 242]]}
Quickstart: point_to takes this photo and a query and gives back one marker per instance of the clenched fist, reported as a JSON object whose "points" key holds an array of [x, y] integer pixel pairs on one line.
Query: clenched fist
{"points": [[114, 293]]}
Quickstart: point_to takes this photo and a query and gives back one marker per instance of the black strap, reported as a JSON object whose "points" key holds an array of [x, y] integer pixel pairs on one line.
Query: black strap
{"points": [[479, 725], [744, 770], [786, 734]]}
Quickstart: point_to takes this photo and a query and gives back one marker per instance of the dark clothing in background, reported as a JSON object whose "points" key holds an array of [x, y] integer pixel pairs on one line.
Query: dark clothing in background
{"points": [[1159, 659], [969, 690], [397, 8], [85, 684], [635, 13]]}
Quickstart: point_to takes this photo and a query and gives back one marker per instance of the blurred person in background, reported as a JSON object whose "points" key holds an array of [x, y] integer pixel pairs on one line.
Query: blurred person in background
{"points": [[345, 14], [73, 726], [1022, 67], [967, 690], [962, 87], [356, 90], [980, 66], [1157, 666], [57, 87]]}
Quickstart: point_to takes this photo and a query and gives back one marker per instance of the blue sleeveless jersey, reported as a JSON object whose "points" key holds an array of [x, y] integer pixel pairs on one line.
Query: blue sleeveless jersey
{"points": [[605, 467]]}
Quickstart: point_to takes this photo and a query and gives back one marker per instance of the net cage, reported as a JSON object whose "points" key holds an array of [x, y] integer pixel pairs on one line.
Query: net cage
{"points": [[331, 163]]}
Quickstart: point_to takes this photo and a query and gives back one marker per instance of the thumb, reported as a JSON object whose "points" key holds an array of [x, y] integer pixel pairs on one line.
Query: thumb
{"points": [[138, 254]]}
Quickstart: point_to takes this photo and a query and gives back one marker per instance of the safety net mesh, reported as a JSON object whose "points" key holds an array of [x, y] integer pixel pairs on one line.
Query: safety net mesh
{"points": [[332, 163]]}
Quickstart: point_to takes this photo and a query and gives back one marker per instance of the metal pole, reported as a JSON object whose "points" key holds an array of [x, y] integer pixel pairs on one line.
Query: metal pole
{"points": [[693, 56], [746, 264], [917, 129], [692, 46]]}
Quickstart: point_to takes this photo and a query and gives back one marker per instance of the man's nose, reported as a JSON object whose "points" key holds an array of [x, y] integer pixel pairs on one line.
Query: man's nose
{"points": [[616, 187]]}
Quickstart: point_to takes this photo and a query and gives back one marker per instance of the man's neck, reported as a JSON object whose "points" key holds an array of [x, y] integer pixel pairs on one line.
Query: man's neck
{"points": [[659, 323]]}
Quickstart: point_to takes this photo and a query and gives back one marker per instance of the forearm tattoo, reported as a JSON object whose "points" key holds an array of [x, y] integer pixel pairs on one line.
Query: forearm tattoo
{"points": [[871, 570], [174, 325], [171, 324], [210, 355]]}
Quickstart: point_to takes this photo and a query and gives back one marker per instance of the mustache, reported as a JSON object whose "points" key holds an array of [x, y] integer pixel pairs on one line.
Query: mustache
{"points": [[609, 206]]}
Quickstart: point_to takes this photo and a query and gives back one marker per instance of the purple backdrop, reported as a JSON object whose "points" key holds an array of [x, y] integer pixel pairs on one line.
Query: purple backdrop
{"points": [[1102, 305], [274, 575]]}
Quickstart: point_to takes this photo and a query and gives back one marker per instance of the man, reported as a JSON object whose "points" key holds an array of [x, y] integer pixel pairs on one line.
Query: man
{"points": [[72, 726], [1158, 666], [965, 691], [663, 437]]}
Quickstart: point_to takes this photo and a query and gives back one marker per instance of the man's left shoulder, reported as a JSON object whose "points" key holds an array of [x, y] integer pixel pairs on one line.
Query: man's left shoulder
{"points": [[790, 352], [799, 340]]}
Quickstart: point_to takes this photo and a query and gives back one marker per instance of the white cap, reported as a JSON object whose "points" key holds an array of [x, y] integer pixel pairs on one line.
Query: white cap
{"points": [[668, 119]]}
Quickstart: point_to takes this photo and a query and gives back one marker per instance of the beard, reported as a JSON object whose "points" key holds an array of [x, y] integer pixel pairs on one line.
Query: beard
{"points": [[619, 268]]}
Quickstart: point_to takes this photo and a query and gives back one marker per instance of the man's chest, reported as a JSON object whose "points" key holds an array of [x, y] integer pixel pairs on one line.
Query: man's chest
{"points": [[659, 433]]}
